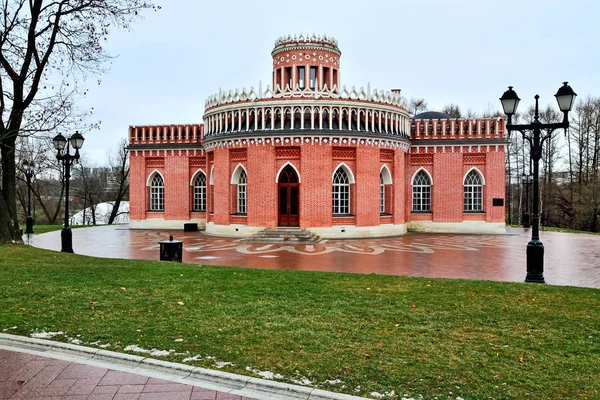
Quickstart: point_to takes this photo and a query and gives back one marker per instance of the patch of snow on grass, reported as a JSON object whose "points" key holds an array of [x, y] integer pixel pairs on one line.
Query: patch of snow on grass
{"points": [[377, 395], [269, 375], [334, 382], [75, 341], [153, 352], [302, 381], [265, 374], [45, 335], [178, 340], [8, 329], [222, 364], [195, 358]]}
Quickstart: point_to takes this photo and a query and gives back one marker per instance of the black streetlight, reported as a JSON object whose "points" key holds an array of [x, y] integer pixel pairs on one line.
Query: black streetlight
{"points": [[526, 180], [62, 146], [533, 134], [28, 168]]}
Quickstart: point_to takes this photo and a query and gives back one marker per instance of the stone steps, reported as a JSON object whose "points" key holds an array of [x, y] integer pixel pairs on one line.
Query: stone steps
{"points": [[284, 235]]}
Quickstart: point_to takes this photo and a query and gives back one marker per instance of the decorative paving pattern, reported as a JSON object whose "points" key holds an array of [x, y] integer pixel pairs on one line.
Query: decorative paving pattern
{"points": [[26, 376], [570, 259]]}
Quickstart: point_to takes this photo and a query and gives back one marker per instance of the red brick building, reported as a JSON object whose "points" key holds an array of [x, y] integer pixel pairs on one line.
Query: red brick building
{"points": [[306, 151]]}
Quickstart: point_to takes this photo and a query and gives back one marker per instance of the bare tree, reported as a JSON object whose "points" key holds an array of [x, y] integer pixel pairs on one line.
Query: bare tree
{"points": [[90, 187], [417, 105], [119, 167], [45, 49], [452, 110]]}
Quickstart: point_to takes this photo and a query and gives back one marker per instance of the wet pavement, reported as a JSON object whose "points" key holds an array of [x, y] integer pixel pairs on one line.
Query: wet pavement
{"points": [[28, 376], [570, 259]]}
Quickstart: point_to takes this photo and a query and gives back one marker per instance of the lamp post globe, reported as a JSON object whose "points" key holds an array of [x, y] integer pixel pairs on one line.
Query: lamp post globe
{"points": [[76, 141], [510, 102], [59, 142], [536, 133], [565, 97]]}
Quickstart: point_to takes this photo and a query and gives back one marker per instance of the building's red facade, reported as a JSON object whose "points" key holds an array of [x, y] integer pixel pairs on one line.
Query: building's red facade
{"points": [[311, 153]]}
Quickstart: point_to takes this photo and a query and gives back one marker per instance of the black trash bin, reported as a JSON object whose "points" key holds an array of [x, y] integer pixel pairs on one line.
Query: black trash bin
{"points": [[171, 250]]}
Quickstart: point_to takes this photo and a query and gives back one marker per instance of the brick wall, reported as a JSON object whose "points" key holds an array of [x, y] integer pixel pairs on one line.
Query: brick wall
{"points": [[177, 188], [316, 164], [262, 189]]}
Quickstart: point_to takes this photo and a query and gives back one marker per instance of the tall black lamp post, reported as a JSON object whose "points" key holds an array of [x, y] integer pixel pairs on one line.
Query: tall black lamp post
{"points": [[526, 180], [28, 168], [62, 147], [536, 134]]}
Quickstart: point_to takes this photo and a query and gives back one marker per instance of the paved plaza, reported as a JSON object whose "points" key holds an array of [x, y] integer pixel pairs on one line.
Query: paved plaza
{"points": [[28, 376], [571, 259]]}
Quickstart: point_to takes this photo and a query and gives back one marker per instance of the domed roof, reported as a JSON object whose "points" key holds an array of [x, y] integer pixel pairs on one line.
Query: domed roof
{"points": [[431, 115]]}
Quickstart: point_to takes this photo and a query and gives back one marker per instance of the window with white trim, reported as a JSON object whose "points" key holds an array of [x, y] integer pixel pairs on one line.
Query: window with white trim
{"points": [[241, 193], [157, 193], [200, 192], [381, 193], [421, 192], [473, 192], [341, 192]]}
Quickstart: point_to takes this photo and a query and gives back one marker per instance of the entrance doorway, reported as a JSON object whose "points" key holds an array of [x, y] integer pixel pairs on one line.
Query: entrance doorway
{"points": [[288, 197]]}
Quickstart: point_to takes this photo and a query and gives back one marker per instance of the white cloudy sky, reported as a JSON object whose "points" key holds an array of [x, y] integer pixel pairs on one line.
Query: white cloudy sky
{"points": [[461, 51]]}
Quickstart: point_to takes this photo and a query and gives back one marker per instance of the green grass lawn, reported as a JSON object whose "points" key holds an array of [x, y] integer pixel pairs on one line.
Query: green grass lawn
{"points": [[362, 333]]}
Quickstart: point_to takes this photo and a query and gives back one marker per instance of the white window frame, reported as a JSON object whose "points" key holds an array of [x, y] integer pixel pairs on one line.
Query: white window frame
{"points": [[473, 191], [200, 192], [421, 186], [157, 193], [381, 194], [242, 192], [341, 192]]}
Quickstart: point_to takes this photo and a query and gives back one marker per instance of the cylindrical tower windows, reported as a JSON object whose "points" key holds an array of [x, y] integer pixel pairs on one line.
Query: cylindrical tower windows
{"points": [[306, 62]]}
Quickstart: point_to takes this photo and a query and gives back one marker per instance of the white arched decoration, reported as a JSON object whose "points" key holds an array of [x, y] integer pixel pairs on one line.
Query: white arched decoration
{"points": [[235, 177], [345, 168], [426, 172], [211, 180], [282, 168], [155, 172], [478, 172], [195, 175], [385, 173]]}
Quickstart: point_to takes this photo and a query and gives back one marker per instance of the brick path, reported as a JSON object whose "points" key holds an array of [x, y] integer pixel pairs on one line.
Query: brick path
{"points": [[571, 259], [26, 376]]}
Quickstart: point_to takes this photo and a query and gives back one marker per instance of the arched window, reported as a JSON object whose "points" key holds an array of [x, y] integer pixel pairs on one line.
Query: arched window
{"points": [[473, 192], [341, 192], [157, 193], [241, 193], [381, 194], [200, 192], [421, 192]]}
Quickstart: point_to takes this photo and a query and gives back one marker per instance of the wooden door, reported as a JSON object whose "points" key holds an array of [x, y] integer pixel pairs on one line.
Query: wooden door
{"points": [[288, 188]]}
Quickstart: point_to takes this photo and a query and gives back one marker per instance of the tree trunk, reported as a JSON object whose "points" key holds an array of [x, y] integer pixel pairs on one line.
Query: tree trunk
{"points": [[9, 225]]}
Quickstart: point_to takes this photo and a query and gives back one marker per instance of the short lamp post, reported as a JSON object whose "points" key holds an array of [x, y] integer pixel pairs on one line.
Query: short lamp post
{"points": [[62, 146], [536, 134], [526, 180], [28, 168]]}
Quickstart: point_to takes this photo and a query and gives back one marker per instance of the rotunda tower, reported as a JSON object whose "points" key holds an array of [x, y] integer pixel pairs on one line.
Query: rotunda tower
{"points": [[306, 62]]}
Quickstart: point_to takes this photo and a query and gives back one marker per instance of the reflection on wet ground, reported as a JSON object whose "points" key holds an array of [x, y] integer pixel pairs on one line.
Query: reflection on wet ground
{"points": [[571, 259]]}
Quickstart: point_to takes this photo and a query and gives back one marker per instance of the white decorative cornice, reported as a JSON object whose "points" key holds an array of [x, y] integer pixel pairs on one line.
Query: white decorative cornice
{"points": [[361, 94], [306, 140], [306, 39]]}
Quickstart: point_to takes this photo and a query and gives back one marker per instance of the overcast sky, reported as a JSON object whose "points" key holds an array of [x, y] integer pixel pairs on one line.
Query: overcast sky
{"points": [[447, 51]]}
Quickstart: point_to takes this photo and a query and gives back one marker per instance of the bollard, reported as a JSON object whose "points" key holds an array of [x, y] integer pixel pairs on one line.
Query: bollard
{"points": [[171, 250]]}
